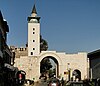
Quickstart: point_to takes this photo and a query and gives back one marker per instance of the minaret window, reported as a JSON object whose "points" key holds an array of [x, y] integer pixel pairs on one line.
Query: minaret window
{"points": [[33, 28], [33, 40], [33, 48], [31, 53], [33, 32]]}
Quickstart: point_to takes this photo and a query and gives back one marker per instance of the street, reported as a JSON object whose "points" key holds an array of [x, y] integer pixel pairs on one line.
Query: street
{"points": [[39, 83]]}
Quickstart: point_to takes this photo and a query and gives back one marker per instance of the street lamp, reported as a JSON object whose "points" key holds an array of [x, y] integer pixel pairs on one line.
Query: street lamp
{"points": [[68, 68]]}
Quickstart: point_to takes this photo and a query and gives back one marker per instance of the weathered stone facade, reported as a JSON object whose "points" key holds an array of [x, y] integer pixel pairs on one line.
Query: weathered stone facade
{"points": [[31, 64]]}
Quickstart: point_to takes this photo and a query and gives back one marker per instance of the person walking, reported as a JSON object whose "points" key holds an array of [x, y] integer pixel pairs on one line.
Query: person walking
{"points": [[62, 81]]}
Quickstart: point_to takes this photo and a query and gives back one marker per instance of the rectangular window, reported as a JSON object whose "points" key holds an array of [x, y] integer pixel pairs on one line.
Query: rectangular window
{"points": [[31, 53], [33, 28], [33, 32], [33, 40]]}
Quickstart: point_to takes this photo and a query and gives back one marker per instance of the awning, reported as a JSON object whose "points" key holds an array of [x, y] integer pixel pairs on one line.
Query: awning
{"points": [[10, 67]]}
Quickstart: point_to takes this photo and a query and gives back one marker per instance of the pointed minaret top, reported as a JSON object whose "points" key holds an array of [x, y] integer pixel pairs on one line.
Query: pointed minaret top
{"points": [[33, 16], [34, 9]]}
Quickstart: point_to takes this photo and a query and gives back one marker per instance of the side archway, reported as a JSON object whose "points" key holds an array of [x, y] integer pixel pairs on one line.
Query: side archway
{"points": [[77, 74]]}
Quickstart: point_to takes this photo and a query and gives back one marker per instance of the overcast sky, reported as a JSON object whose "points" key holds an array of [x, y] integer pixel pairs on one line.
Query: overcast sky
{"points": [[70, 26]]}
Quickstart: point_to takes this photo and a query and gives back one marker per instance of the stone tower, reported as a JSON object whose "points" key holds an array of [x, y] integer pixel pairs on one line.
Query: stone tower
{"points": [[33, 33]]}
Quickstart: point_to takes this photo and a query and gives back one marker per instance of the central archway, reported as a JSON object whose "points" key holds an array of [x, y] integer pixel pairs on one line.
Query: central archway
{"points": [[55, 57], [49, 67]]}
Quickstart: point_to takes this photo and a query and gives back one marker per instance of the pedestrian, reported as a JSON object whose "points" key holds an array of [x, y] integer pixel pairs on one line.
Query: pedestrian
{"points": [[62, 81]]}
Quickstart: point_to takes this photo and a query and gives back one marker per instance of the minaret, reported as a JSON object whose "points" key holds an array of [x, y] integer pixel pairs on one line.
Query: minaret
{"points": [[33, 33]]}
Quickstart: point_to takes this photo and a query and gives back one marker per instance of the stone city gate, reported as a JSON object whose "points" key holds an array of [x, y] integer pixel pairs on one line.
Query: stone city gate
{"points": [[65, 62]]}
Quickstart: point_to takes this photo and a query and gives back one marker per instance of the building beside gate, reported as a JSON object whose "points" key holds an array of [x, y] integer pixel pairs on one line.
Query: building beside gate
{"points": [[3, 29], [94, 58], [29, 58], [5, 54]]}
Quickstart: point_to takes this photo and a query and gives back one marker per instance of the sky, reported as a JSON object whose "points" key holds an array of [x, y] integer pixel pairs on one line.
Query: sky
{"points": [[69, 26]]}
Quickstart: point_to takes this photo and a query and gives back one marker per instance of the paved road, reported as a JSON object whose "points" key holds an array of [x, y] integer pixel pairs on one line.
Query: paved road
{"points": [[41, 83]]}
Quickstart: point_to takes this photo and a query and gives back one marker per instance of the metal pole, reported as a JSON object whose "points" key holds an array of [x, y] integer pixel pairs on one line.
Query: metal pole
{"points": [[68, 64], [69, 74], [91, 72]]}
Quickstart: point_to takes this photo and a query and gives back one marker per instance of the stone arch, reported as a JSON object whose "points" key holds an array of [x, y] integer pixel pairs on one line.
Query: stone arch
{"points": [[77, 74], [54, 56]]}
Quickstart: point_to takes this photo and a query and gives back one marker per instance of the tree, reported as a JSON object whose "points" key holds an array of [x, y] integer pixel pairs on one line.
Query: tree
{"points": [[43, 44], [45, 65], [52, 72]]}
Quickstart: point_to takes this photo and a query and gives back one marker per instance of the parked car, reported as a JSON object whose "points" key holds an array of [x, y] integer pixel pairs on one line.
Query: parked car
{"points": [[54, 82]]}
